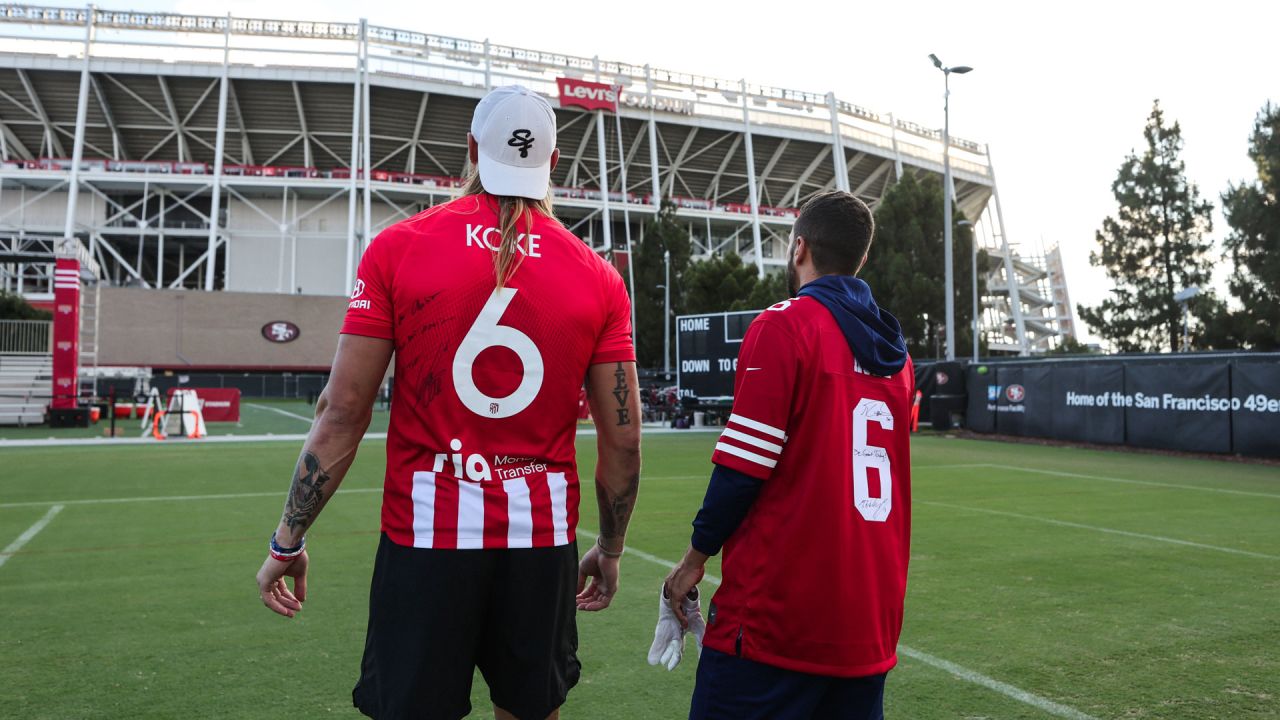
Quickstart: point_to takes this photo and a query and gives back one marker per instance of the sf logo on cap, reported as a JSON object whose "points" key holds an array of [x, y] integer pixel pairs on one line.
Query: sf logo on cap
{"points": [[522, 139]]}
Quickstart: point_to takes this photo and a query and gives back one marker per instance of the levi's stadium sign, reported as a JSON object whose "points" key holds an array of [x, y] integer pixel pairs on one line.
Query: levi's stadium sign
{"points": [[588, 95]]}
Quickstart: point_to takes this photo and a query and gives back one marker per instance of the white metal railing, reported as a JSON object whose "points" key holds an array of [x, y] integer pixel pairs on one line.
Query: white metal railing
{"points": [[26, 337]]}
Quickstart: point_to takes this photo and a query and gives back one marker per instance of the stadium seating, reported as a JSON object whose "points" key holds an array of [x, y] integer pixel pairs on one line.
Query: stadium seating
{"points": [[24, 388]]}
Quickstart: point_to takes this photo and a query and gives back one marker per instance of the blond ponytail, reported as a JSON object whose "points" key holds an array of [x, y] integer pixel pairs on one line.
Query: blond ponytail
{"points": [[512, 212]]}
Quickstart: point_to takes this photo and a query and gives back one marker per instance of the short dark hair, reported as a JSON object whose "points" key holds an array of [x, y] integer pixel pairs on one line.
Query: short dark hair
{"points": [[838, 228]]}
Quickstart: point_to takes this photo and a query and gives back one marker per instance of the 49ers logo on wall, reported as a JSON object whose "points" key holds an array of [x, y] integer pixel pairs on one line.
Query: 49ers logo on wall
{"points": [[1015, 393], [280, 331]]}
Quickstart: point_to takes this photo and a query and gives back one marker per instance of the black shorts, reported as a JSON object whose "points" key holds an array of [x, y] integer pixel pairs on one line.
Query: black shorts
{"points": [[735, 688], [436, 615]]}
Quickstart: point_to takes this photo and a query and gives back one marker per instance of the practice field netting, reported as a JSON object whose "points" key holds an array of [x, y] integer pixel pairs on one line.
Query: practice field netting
{"points": [[1045, 582]]}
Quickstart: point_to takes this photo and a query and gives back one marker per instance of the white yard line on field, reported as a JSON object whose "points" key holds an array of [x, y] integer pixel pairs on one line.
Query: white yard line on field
{"points": [[286, 413], [1127, 481], [1096, 528], [31, 532], [964, 673]]}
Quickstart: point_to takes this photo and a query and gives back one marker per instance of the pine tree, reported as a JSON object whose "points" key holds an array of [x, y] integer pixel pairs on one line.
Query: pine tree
{"points": [[1253, 212], [906, 267], [663, 234], [1154, 246]]}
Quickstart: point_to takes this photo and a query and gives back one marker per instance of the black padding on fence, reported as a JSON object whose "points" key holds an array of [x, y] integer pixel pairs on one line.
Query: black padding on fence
{"points": [[1255, 414], [1179, 407], [981, 413], [1217, 405], [1083, 410]]}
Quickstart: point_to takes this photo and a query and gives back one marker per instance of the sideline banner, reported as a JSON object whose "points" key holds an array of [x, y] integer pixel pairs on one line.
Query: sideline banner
{"points": [[1082, 408], [1255, 403], [1178, 407], [1218, 404], [980, 416]]}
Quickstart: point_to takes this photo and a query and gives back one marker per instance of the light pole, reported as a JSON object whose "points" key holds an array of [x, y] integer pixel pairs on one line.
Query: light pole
{"points": [[1182, 297], [973, 265], [946, 197], [666, 314]]}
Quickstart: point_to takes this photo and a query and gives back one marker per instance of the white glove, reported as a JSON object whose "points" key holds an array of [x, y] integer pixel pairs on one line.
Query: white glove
{"points": [[668, 636]]}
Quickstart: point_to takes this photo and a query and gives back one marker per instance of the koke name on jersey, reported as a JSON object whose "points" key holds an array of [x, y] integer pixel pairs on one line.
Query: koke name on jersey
{"points": [[490, 238]]}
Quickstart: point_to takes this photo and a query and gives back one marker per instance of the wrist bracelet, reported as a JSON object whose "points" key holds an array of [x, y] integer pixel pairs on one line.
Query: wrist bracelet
{"points": [[284, 554], [606, 551]]}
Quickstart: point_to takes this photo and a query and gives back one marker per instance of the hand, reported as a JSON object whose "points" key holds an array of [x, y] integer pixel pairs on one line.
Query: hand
{"points": [[683, 578], [668, 637], [274, 591], [603, 571]]}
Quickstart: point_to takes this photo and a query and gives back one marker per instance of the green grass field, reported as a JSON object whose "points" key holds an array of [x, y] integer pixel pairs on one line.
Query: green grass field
{"points": [[1045, 582]]}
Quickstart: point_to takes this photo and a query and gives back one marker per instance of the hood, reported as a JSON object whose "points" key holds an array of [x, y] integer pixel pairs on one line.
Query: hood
{"points": [[874, 336]]}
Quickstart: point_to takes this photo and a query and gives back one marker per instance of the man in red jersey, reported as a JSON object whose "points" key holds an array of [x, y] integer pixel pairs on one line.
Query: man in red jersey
{"points": [[810, 497], [495, 313]]}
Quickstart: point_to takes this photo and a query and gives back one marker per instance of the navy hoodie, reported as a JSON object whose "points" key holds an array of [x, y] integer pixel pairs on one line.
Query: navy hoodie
{"points": [[874, 336]]}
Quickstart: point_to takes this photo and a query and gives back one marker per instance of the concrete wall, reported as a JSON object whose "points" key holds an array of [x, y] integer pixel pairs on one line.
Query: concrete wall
{"points": [[176, 328], [19, 210], [309, 257]]}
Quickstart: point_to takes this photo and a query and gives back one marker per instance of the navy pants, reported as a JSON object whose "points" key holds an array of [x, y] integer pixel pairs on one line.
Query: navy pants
{"points": [[734, 688]]}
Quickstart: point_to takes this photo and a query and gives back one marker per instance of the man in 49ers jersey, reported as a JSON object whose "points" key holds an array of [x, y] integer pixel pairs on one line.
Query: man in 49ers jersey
{"points": [[810, 496], [495, 314]]}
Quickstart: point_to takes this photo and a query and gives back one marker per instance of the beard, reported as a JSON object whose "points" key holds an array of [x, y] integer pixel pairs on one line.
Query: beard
{"points": [[793, 276]]}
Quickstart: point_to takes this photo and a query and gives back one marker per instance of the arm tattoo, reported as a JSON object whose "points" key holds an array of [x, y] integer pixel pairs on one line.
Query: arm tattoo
{"points": [[615, 508], [305, 496], [621, 394]]}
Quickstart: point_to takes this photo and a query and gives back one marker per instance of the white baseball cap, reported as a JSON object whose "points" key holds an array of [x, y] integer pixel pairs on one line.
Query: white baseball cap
{"points": [[516, 131]]}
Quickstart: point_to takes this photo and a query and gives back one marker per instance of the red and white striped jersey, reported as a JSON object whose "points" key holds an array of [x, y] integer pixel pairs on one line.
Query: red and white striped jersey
{"points": [[815, 576], [480, 450]]}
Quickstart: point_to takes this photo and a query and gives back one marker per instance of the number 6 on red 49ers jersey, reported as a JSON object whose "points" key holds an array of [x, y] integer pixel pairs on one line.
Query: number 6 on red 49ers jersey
{"points": [[830, 530]]}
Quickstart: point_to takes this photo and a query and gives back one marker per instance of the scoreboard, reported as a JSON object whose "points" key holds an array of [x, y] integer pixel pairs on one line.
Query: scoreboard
{"points": [[707, 353]]}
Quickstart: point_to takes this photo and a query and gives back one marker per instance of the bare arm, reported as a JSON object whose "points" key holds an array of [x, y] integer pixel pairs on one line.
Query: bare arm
{"points": [[343, 413], [613, 393]]}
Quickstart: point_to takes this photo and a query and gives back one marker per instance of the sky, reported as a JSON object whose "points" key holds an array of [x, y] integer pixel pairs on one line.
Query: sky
{"points": [[1060, 91]]}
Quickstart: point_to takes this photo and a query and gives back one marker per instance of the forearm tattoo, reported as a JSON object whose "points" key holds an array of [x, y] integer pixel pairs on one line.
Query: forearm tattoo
{"points": [[305, 494], [621, 393], [615, 508]]}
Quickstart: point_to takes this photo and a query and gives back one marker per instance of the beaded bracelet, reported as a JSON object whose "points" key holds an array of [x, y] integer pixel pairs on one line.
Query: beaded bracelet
{"points": [[284, 554]]}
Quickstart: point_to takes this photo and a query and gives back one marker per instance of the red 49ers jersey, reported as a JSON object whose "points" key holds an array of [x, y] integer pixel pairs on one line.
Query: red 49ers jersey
{"points": [[816, 574], [480, 450]]}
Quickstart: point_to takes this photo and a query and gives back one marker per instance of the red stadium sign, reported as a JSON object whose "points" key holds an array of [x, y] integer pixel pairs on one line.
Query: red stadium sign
{"points": [[588, 95]]}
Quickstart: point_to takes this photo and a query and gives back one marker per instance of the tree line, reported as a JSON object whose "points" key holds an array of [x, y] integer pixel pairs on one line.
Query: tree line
{"points": [[1157, 244]]}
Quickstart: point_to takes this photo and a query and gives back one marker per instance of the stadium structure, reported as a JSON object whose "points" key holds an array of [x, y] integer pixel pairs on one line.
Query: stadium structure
{"points": [[215, 153]]}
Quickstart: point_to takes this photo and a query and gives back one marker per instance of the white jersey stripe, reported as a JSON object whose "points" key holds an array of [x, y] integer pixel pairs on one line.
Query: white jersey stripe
{"points": [[747, 455], [752, 440], [519, 514], [424, 509], [758, 426], [470, 515], [559, 488]]}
